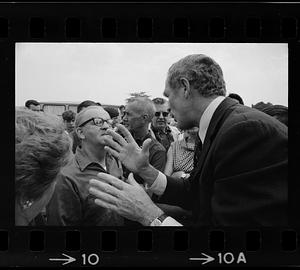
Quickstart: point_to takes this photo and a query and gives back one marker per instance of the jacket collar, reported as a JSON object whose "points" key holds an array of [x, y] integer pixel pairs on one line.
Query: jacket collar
{"points": [[218, 118], [83, 160], [207, 116]]}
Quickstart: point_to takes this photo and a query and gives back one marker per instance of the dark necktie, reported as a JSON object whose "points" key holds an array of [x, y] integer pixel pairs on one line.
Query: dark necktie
{"points": [[198, 149]]}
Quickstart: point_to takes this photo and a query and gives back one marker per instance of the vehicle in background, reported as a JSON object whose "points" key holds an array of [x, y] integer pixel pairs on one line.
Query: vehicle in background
{"points": [[59, 107]]}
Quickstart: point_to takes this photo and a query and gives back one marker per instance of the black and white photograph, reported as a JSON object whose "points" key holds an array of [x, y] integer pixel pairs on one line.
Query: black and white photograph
{"points": [[151, 134]]}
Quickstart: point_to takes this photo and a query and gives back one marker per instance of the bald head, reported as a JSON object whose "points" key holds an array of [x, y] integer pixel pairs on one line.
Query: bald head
{"points": [[138, 114], [90, 112], [142, 106]]}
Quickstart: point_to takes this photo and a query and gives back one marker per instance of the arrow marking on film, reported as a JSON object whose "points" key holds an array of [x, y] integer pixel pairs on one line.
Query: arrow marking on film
{"points": [[207, 259], [67, 260]]}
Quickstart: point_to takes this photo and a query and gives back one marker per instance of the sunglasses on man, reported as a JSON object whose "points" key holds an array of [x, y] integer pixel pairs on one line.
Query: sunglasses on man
{"points": [[165, 114], [97, 121]]}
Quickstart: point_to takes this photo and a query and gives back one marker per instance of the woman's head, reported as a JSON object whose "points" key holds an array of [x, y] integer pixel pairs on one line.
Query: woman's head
{"points": [[42, 149]]}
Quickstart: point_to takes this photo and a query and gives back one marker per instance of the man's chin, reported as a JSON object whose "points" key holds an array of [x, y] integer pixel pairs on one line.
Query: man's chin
{"points": [[161, 124]]}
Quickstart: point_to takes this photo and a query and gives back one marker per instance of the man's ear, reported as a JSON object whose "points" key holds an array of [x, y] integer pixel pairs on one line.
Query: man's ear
{"points": [[185, 84], [80, 134], [146, 118]]}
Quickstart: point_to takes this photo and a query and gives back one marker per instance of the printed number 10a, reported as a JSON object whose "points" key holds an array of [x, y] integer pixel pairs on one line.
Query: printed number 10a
{"points": [[228, 258], [91, 259]]}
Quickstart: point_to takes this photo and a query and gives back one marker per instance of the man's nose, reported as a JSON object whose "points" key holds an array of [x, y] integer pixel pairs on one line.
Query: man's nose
{"points": [[105, 126]]}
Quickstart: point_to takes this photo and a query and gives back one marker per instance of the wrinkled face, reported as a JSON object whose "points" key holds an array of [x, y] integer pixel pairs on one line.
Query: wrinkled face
{"points": [[36, 108], [69, 125], [94, 131], [161, 116], [180, 107], [132, 120]]}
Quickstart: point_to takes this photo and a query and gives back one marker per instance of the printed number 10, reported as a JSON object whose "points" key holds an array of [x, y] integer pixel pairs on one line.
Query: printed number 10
{"points": [[91, 259]]}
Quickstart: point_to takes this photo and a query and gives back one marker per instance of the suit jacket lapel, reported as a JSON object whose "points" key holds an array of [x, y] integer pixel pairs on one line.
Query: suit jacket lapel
{"points": [[218, 118]]}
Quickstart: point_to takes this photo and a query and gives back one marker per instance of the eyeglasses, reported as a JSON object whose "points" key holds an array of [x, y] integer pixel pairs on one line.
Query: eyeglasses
{"points": [[165, 114], [99, 122]]}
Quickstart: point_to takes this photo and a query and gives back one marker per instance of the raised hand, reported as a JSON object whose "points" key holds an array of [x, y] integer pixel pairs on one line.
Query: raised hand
{"points": [[126, 150]]}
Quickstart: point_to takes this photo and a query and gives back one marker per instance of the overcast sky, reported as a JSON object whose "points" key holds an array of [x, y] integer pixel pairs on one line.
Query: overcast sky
{"points": [[108, 72]]}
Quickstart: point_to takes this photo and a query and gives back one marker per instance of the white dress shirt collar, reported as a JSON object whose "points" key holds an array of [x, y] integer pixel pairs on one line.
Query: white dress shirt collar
{"points": [[207, 115]]}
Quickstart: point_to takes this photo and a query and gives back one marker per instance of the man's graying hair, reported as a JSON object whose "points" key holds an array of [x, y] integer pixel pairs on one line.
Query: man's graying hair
{"points": [[202, 72], [144, 106]]}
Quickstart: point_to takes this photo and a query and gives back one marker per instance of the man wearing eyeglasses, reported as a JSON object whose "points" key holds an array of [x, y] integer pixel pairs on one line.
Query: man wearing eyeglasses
{"points": [[164, 133], [71, 204]]}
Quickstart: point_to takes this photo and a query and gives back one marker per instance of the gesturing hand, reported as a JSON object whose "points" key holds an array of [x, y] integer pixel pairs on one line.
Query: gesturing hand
{"points": [[128, 199], [126, 149]]}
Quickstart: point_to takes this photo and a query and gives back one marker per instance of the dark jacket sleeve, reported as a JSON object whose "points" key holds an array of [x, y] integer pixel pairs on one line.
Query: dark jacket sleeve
{"points": [[64, 208], [178, 192]]}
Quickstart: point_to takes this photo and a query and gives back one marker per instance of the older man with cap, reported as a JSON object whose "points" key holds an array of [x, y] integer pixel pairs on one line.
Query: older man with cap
{"points": [[71, 204]]}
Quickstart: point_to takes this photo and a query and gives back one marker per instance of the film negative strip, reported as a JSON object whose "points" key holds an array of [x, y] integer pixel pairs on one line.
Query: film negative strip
{"points": [[27, 28]]}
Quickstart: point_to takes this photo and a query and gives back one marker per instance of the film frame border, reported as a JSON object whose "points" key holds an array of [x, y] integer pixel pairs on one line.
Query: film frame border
{"points": [[259, 23]]}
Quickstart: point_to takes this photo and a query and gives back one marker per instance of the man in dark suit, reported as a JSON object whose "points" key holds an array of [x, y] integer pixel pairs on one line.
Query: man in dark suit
{"points": [[240, 178]]}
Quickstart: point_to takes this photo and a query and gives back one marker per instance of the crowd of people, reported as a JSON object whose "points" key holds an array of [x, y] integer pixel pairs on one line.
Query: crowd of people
{"points": [[197, 157]]}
